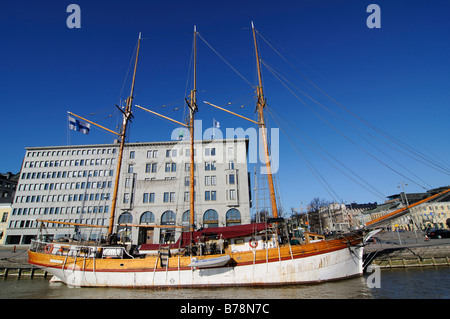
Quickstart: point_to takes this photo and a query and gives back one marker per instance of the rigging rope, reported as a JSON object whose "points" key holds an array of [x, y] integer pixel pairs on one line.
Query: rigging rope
{"points": [[358, 128], [369, 187], [338, 131], [226, 62], [381, 132]]}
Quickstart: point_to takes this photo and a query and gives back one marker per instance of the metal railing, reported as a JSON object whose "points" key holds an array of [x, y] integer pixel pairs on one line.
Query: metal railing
{"points": [[72, 250]]}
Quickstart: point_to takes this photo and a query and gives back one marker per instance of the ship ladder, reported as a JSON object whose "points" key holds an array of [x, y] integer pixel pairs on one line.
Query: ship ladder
{"points": [[165, 255]]}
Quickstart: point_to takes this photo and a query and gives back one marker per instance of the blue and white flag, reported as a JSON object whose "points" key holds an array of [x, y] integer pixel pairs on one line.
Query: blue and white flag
{"points": [[216, 124], [78, 125]]}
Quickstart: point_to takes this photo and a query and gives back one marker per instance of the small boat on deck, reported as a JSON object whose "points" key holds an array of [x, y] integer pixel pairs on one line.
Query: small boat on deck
{"points": [[209, 262]]}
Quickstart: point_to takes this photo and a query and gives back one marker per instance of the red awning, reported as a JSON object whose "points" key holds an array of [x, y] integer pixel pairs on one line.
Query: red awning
{"points": [[212, 233]]}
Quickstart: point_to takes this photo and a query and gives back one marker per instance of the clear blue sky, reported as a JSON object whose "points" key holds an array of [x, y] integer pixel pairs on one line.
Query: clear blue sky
{"points": [[396, 78]]}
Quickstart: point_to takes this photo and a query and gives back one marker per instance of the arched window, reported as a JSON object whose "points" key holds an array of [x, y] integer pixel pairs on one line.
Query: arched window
{"points": [[168, 218], [147, 218], [233, 217], [125, 218], [186, 218], [167, 235], [124, 232], [211, 218]]}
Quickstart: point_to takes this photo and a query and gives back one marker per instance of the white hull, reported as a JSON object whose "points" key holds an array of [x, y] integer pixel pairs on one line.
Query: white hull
{"points": [[339, 264]]}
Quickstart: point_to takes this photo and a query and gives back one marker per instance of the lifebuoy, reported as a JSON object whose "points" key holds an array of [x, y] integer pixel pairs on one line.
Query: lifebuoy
{"points": [[48, 248], [253, 243]]}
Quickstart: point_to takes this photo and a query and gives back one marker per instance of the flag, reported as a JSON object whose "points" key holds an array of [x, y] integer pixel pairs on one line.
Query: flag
{"points": [[78, 125], [180, 135], [216, 124]]}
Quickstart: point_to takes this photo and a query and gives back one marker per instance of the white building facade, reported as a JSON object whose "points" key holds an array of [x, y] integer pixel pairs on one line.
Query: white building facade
{"points": [[76, 184]]}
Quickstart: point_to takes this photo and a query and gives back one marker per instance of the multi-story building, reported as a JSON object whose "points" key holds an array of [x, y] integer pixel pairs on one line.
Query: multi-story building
{"points": [[8, 184], [75, 184], [434, 214]]}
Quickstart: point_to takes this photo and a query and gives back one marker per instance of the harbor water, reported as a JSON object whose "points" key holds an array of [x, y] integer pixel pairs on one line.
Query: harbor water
{"points": [[410, 283]]}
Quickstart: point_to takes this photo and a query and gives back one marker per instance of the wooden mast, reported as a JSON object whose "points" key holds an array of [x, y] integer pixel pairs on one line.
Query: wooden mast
{"points": [[126, 117], [260, 105], [193, 108]]}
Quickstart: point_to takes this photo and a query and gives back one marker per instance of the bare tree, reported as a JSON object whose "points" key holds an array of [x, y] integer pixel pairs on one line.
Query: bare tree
{"points": [[315, 214]]}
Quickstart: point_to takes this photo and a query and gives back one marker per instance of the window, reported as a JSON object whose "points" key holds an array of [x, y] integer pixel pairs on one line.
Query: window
{"points": [[124, 232], [186, 218], [233, 217], [214, 180], [125, 218], [231, 165], [207, 180], [145, 198], [210, 166], [187, 181], [147, 217], [231, 179], [211, 218], [186, 196], [168, 218], [167, 235], [208, 195], [232, 194], [126, 198], [171, 167], [130, 168], [213, 195]]}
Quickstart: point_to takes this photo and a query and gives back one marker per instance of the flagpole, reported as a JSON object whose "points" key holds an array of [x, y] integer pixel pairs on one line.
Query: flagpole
{"points": [[68, 131]]}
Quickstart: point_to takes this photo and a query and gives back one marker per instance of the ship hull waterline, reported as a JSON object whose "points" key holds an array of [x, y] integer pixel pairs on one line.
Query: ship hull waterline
{"points": [[335, 264]]}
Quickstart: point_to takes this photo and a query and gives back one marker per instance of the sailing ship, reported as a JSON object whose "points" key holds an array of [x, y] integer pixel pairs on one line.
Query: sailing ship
{"points": [[248, 255]]}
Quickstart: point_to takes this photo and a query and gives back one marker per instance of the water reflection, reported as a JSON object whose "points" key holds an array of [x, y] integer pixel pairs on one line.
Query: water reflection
{"points": [[354, 288], [413, 283]]}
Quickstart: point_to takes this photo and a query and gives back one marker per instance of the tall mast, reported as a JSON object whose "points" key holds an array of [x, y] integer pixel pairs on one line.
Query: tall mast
{"points": [[193, 108], [260, 105], [126, 117]]}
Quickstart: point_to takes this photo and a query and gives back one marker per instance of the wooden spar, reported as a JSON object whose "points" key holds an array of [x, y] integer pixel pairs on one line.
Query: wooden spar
{"points": [[102, 127], [263, 130], [398, 211], [126, 117], [150, 226], [71, 224], [163, 116], [193, 108], [221, 108]]}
